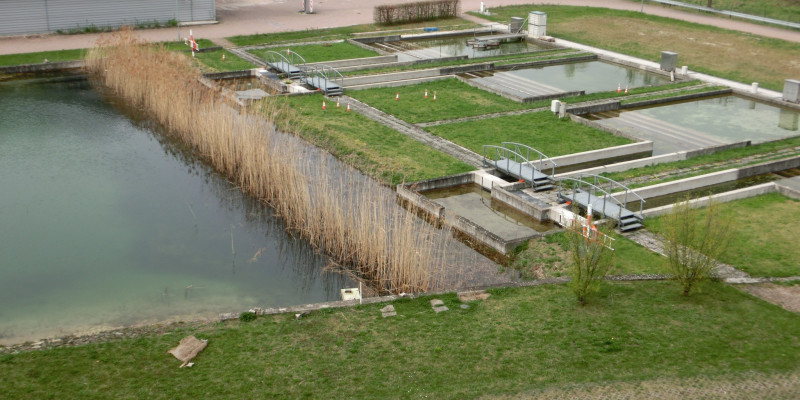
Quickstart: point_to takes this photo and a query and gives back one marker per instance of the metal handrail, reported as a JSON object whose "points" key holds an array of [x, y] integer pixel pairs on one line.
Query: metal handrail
{"points": [[325, 71], [592, 193], [273, 57], [606, 194], [508, 155], [542, 156], [612, 183]]}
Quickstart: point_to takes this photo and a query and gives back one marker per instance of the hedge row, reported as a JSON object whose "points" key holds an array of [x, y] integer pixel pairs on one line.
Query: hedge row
{"points": [[417, 11]]}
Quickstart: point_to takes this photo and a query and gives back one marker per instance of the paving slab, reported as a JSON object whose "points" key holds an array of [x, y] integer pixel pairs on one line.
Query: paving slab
{"points": [[388, 311]]}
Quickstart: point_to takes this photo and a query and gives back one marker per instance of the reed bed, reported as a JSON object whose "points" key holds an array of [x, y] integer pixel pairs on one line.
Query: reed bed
{"points": [[344, 214]]}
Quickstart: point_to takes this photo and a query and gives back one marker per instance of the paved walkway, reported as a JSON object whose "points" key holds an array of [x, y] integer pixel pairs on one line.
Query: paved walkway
{"points": [[246, 17]]}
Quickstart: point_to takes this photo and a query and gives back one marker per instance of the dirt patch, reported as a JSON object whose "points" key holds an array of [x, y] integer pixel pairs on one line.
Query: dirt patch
{"points": [[787, 297], [473, 296], [542, 260]]}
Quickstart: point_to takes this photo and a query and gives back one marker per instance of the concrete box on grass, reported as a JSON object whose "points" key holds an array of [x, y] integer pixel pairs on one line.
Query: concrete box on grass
{"points": [[791, 90], [537, 24], [669, 60], [516, 24]]}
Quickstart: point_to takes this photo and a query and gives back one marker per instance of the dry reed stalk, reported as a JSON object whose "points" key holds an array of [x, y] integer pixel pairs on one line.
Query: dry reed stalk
{"points": [[348, 216]]}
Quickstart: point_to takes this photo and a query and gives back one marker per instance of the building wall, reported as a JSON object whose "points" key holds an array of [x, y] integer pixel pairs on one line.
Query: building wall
{"points": [[18, 17]]}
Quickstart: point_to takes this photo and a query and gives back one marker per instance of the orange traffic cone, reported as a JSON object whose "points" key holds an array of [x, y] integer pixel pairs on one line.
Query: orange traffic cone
{"points": [[426, 93], [348, 106], [397, 96], [619, 88], [323, 104], [287, 51], [434, 96], [223, 57], [626, 90]]}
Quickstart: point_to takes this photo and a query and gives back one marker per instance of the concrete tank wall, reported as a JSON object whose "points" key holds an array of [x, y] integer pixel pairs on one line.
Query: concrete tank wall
{"points": [[540, 211], [720, 198], [601, 154]]}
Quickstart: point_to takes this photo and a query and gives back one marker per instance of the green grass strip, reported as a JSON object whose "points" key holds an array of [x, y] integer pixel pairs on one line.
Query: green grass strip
{"points": [[519, 340], [454, 99], [376, 150], [40, 57], [541, 130]]}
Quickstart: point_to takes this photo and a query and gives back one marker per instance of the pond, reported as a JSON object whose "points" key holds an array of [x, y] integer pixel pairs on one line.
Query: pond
{"points": [[457, 46], [704, 122], [105, 222], [590, 76]]}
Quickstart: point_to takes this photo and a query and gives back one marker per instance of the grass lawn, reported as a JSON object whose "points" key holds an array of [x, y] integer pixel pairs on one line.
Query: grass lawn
{"points": [[454, 99], [733, 55], [547, 257], [541, 130], [518, 340], [346, 32], [323, 52], [381, 152], [38, 58], [764, 235]]}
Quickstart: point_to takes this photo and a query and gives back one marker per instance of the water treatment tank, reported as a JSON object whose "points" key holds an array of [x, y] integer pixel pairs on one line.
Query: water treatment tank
{"points": [[516, 25], [669, 61], [537, 24]]}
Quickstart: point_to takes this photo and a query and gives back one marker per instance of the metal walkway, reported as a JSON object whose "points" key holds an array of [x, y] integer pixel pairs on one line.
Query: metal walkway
{"points": [[509, 159], [324, 78], [290, 64], [320, 77], [586, 189]]}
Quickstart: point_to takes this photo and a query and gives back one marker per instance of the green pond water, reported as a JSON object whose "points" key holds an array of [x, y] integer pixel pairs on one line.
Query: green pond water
{"points": [[590, 76], [104, 223]]}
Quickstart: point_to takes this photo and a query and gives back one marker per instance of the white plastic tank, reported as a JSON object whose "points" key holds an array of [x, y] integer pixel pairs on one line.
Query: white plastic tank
{"points": [[537, 24], [555, 105]]}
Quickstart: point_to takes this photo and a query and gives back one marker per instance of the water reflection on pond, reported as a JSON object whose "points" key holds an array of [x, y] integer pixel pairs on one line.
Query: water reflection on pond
{"points": [[104, 222]]}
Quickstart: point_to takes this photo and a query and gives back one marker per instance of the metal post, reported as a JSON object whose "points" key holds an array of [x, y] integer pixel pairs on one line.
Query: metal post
{"points": [[177, 24]]}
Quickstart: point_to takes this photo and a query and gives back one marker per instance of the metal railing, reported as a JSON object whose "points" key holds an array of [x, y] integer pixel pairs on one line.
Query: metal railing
{"points": [[315, 73], [274, 59], [595, 186], [542, 157]]}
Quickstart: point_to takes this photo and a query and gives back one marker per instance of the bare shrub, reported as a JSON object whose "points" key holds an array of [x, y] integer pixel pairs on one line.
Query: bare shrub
{"points": [[693, 241], [591, 260]]}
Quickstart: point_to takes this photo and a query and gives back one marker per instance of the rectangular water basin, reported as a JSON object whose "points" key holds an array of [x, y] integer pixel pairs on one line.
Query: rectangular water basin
{"points": [[700, 123], [477, 205], [589, 76]]}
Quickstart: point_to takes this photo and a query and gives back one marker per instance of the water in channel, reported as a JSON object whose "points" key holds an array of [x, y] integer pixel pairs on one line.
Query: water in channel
{"points": [[105, 222]]}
